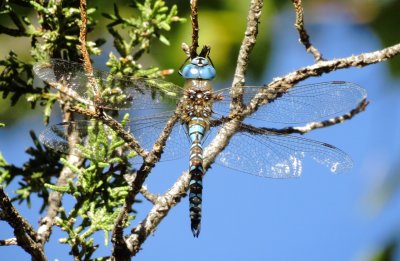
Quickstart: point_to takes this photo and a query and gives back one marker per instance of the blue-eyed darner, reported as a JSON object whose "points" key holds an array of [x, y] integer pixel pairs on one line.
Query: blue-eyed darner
{"points": [[277, 155]]}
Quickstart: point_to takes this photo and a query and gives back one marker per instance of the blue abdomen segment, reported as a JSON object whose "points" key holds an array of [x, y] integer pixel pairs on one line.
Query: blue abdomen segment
{"points": [[197, 129], [199, 68]]}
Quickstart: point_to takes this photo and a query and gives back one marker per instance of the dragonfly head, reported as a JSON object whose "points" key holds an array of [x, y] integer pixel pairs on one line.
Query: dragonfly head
{"points": [[198, 68]]}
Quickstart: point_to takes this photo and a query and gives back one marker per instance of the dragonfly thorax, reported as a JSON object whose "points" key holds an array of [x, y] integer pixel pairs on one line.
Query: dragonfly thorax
{"points": [[197, 100]]}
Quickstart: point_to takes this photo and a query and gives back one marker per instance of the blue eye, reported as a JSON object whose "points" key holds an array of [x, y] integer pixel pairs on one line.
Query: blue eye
{"points": [[199, 68]]}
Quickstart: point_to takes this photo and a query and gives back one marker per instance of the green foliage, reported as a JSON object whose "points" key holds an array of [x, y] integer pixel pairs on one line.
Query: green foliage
{"points": [[56, 35], [37, 171], [16, 80], [383, 22], [388, 253], [133, 35], [99, 190], [100, 183], [153, 19], [59, 28], [4, 172]]}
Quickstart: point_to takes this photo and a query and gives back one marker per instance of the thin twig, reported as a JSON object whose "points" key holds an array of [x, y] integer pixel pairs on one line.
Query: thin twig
{"points": [[281, 85], [148, 195], [23, 231], [160, 209], [249, 40], [8, 242], [307, 128], [323, 124], [82, 38], [116, 126], [250, 37], [87, 64], [54, 201], [304, 37], [195, 29], [122, 250], [186, 49]]}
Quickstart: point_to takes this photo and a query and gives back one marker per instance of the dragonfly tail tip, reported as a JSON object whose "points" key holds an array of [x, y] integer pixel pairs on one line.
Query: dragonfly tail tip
{"points": [[196, 230]]}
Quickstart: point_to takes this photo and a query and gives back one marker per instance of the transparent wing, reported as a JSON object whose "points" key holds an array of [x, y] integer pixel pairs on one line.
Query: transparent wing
{"points": [[110, 92], [280, 156], [82, 137], [147, 131], [304, 103], [59, 136]]}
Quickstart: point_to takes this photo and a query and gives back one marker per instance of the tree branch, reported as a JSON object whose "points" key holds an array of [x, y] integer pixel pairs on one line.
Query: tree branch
{"points": [[9, 242], [195, 29], [82, 39], [25, 235], [162, 206], [54, 201], [304, 37], [323, 124], [116, 126], [122, 250], [249, 40], [281, 85], [148, 195]]}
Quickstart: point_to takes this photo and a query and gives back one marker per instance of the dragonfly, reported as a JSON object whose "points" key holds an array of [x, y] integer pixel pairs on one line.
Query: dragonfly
{"points": [[255, 150]]}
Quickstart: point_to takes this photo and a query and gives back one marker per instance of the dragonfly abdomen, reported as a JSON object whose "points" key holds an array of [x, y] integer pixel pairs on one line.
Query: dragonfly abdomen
{"points": [[197, 129]]}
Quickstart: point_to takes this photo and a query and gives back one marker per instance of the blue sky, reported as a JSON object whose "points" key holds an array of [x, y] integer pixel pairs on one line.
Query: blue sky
{"points": [[320, 216]]}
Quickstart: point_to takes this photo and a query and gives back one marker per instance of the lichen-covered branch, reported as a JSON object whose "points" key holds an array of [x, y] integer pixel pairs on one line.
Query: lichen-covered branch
{"points": [[82, 38], [24, 232], [8, 242], [282, 84], [116, 126], [161, 207], [54, 201], [195, 29], [304, 37], [122, 250], [66, 174], [249, 40], [148, 195], [323, 124]]}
